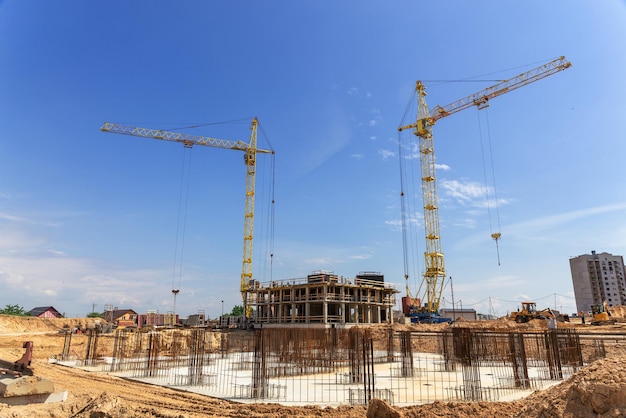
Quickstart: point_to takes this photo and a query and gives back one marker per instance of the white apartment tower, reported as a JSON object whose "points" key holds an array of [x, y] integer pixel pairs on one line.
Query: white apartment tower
{"points": [[598, 278]]}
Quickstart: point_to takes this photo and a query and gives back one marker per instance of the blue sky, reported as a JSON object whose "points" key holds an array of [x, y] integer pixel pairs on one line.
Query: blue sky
{"points": [[90, 218]]}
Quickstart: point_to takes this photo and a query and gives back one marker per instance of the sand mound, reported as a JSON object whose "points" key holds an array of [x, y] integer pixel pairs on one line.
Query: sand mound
{"points": [[10, 324], [597, 390]]}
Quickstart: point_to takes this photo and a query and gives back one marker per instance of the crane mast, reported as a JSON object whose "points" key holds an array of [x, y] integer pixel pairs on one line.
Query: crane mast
{"points": [[435, 272], [250, 152]]}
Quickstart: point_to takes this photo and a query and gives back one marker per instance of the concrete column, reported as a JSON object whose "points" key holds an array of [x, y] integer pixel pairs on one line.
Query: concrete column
{"points": [[342, 304], [325, 304], [307, 307]]}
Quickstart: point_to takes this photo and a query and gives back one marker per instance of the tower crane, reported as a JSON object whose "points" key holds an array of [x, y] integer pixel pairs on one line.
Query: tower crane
{"points": [[435, 273], [250, 151]]}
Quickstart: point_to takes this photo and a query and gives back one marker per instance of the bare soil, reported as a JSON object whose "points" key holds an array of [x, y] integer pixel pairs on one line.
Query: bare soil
{"points": [[598, 390]]}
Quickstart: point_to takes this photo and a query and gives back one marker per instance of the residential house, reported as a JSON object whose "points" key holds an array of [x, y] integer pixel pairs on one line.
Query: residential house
{"points": [[121, 317], [45, 312]]}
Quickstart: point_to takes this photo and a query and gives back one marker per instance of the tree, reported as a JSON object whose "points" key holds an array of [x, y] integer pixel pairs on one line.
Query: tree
{"points": [[13, 310], [94, 315], [237, 310]]}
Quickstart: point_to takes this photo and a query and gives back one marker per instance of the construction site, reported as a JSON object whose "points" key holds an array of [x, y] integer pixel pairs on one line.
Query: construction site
{"points": [[325, 341]]}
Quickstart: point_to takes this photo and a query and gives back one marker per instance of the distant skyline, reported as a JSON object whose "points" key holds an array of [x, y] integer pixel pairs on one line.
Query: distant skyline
{"points": [[90, 218]]}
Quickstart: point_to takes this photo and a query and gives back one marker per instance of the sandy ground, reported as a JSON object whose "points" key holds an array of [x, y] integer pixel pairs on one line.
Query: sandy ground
{"points": [[598, 390]]}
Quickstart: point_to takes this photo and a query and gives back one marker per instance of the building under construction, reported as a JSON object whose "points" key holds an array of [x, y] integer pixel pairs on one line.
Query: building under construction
{"points": [[324, 298]]}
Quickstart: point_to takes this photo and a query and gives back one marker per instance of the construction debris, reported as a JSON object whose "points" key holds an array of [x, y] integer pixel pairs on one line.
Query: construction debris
{"points": [[18, 386]]}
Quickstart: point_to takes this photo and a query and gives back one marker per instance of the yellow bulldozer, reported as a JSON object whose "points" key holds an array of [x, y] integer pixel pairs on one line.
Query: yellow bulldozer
{"points": [[529, 312]]}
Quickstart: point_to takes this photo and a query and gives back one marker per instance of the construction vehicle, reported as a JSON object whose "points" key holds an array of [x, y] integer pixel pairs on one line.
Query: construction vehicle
{"points": [[250, 152], [529, 312], [435, 273], [601, 315], [19, 385]]}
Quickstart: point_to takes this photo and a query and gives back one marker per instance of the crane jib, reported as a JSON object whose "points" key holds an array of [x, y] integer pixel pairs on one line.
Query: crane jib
{"points": [[185, 139]]}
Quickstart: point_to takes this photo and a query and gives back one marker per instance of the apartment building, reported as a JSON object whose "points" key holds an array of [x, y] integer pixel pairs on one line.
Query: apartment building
{"points": [[598, 277]]}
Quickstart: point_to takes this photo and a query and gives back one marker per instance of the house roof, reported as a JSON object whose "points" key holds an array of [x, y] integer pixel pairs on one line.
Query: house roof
{"points": [[41, 309], [113, 315]]}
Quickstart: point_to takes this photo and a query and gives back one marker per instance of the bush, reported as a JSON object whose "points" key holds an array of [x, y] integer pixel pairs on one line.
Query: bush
{"points": [[14, 310]]}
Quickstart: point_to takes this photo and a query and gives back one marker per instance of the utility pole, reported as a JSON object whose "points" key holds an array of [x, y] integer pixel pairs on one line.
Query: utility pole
{"points": [[453, 308]]}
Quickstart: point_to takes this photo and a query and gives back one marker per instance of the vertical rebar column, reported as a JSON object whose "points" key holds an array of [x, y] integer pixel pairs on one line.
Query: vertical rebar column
{"points": [[406, 354], [92, 346], [66, 346], [153, 354], [116, 352], [354, 358], [518, 360], [448, 355], [390, 345], [368, 369], [259, 367], [552, 351], [196, 357], [465, 351]]}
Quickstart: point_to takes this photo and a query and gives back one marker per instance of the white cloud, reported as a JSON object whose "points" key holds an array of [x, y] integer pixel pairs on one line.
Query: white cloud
{"points": [[466, 191], [356, 156], [360, 257], [443, 167], [386, 154]]}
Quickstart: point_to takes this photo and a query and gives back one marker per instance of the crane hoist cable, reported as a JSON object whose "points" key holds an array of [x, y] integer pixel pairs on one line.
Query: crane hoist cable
{"points": [[181, 221], [404, 223], [495, 235], [266, 234]]}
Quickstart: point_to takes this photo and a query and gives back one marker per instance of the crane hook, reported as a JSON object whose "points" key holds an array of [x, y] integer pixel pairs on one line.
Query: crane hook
{"points": [[496, 236]]}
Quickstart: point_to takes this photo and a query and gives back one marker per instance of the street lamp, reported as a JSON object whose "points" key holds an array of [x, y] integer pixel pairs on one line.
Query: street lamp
{"points": [[222, 317]]}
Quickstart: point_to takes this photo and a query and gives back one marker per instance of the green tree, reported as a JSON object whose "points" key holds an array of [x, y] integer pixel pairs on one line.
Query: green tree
{"points": [[237, 310], [16, 310], [94, 315]]}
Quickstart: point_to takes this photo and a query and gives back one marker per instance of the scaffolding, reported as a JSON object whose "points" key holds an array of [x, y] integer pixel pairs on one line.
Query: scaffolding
{"points": [[325, 298]]}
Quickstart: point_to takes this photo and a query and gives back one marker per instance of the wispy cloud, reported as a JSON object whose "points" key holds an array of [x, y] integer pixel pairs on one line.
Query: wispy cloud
{"points": [[13, 218], [464, 191], [551, 221], [386, 154], [471, 193], [413, 221]]}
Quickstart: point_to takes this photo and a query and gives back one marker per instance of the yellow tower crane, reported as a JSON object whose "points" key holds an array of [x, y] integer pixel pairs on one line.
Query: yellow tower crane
{"points": [[435, 273], [250, 151]]}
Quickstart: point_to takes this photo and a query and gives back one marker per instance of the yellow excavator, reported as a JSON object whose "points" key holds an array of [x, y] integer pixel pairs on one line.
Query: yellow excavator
{"points": [[601, 315]]}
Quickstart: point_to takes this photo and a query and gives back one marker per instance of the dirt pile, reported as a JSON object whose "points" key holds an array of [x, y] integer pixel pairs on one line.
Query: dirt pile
{"points": [[10, 324], [598, 390], [618, 312]]}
